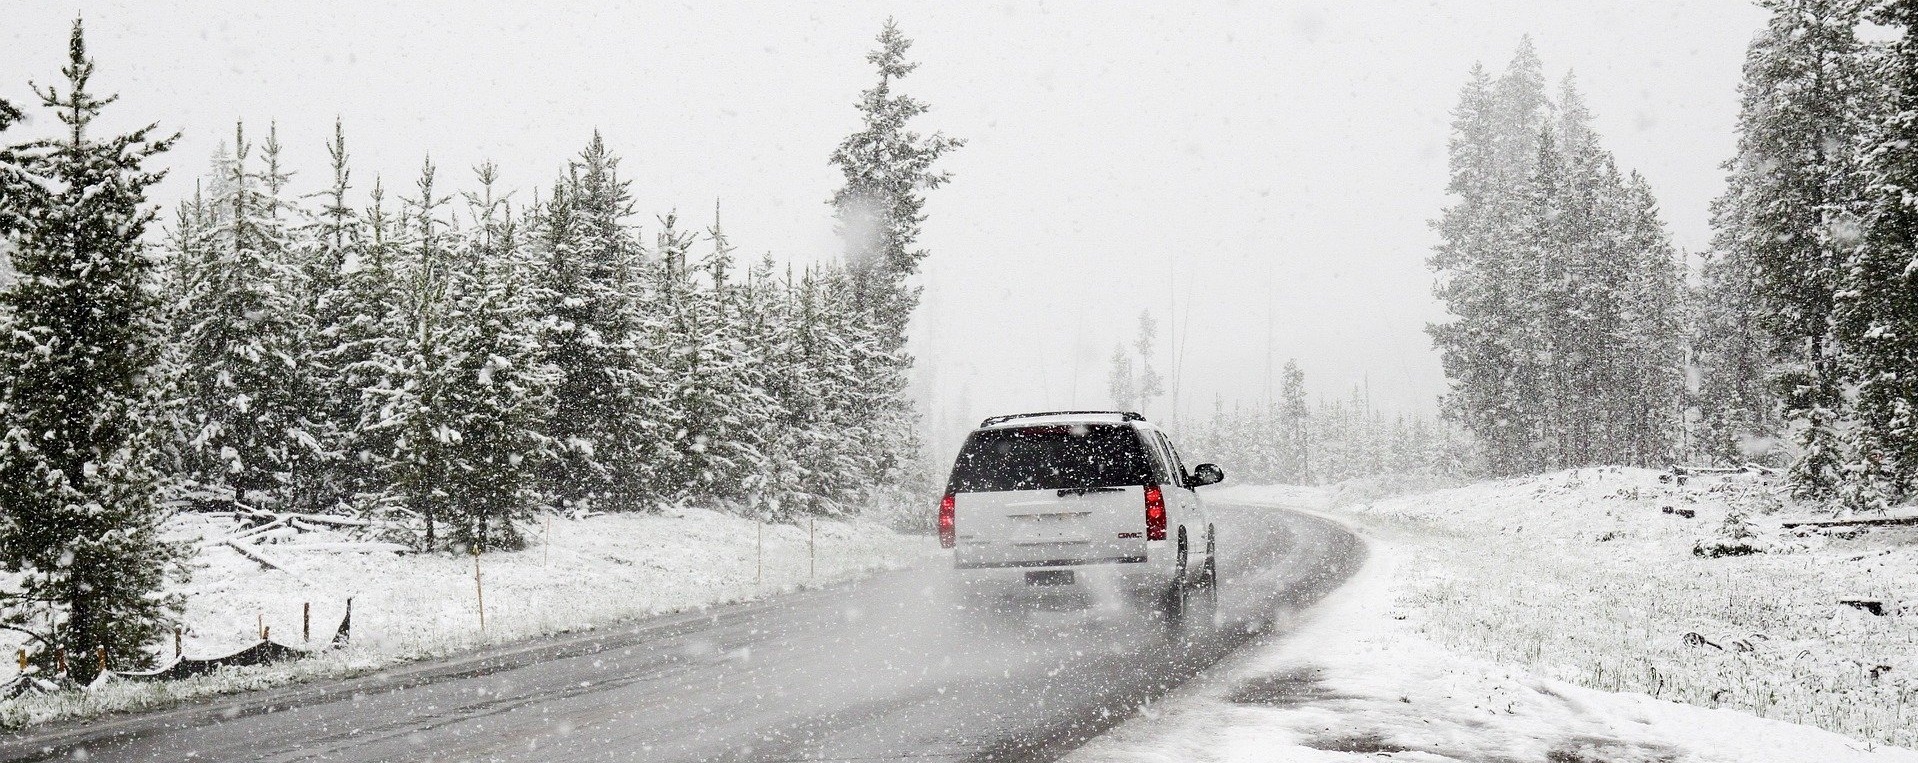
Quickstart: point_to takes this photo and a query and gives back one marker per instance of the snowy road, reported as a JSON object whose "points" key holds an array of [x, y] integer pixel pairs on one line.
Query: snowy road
{"points": [[882, 669]]}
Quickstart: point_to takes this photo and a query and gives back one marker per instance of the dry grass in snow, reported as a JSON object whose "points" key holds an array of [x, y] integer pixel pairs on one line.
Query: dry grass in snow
{"points": [[1359, 681]]}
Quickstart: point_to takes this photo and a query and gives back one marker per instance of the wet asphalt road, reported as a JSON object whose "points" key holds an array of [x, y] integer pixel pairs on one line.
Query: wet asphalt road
{"points": [[887, 668]]}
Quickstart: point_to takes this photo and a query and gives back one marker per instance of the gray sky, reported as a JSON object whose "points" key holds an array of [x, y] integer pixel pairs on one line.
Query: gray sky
{"points": [[1282, 159]]}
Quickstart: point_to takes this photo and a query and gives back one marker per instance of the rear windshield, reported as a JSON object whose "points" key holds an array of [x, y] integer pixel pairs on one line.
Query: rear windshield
{"points": [[1050, 458]]}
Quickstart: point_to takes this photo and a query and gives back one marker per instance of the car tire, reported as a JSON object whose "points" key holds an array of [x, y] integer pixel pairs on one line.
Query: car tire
{"points": [[1209, 576], [1176, 600]]}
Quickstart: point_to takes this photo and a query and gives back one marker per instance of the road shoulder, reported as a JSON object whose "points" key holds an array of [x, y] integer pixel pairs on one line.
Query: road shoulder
{"points": [[1356, 680]]}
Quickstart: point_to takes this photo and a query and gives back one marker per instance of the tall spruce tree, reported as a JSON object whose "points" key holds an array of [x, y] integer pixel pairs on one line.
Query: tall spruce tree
{"points": [[1878, 307], [79, 526], [325, 253], [1295, 465], [1788, 215], [888, 169], [242, 342], [1564, 288], [1150, 384], [500, 392], [591, 293]]}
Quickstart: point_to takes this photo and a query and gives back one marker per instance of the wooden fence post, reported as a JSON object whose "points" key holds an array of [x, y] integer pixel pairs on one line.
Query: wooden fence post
{"points": [[306, 621], [101, 651], [479, 589]]}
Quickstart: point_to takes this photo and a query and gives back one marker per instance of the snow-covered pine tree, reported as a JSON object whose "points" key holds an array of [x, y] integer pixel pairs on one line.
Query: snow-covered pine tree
{"points": [[420, 393], [767, 329], [326, 253], [1738, 407], [79, 526], [888, 169], [1563, 285], [1480, 268], [1121, 382], [1878, 307], [603, 423], [500, 392], [1149, 384], [364, 354], [1645, 369], [725, 409], [1787, 213], [675, 363], [242, 392], [1292, 427]]}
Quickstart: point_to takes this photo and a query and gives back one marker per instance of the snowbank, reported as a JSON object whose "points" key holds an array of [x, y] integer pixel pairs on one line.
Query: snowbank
{"points": [[580, 574], [1547, 619]]}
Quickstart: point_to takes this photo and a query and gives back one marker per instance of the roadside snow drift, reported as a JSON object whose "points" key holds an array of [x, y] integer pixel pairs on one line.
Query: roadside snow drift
{"points": [[1566, 618]]}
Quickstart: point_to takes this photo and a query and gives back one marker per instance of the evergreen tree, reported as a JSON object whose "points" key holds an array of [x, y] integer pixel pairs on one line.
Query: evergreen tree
{"points": [[364, 351], [1878, 308], [1788, 213], [1121, 382], [500, 392], [888, 168], [79, 526], [721, 386], [242, 343], [326, 254], [1563, 285], [1738, 406], [425, 381], [1493, 151], [1148, 385], [589, 288], [1293, 421]]}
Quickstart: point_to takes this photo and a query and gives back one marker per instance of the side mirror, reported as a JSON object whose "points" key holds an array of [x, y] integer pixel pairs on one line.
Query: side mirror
{"points": [[1205, 474]]}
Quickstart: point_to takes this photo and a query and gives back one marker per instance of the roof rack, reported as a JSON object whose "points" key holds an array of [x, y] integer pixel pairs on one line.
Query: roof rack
{"points": [[1123, 416]]}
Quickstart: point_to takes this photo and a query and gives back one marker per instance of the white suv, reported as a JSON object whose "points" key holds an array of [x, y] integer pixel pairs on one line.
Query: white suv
{"points": [[1079, 498]]}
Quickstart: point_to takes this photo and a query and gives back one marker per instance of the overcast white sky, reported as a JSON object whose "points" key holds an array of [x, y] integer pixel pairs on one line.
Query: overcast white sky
{"points": [[1282, 158]]}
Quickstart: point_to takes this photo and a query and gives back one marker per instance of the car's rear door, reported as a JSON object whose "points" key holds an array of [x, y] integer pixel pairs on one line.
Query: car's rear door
{"points": [[1050, 495]]}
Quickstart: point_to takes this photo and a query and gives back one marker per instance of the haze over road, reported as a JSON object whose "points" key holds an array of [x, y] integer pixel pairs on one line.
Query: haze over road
{"points": [[885, 668]]}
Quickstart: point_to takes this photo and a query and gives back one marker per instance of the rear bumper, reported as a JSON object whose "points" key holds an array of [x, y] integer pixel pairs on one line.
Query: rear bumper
{"points": [[1139, 575], [1051, 563]]}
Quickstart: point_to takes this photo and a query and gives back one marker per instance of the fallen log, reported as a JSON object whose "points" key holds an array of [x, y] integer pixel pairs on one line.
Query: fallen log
{"points": [[255, 554], [361, 547], [1853, 522]]}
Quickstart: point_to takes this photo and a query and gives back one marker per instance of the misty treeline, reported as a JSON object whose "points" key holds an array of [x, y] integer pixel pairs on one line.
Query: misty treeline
{"points": [[439, 354], [1286, 438], [1292, 440], [1566, 345], [1576, 339]]}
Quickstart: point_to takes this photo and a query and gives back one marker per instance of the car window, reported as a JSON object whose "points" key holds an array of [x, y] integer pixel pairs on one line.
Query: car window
{"points": [[1163, 459], [1177, 462], [1051, 458]]}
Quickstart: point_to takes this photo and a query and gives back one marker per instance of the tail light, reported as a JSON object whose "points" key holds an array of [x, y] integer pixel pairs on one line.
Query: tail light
{"points": [[1154, 513], [946, 536]]}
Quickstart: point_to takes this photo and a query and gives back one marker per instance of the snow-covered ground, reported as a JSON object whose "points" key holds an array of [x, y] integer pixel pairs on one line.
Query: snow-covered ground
{"points": [[1547, 619], [588, 573]]}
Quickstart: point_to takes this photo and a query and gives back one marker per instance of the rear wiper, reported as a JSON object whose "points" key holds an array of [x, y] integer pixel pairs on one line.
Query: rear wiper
{"points": [[1063, 492]]}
